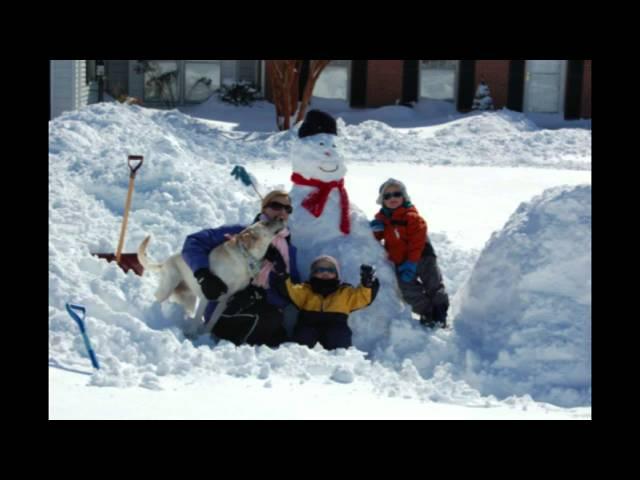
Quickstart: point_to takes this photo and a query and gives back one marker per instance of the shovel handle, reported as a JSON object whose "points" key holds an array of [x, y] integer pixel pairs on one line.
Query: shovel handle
{"points": [[135, 158], [73, 311], [127, 204]]}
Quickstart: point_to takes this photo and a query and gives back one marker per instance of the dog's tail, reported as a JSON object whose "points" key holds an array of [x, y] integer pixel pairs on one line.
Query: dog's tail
{"points": [[143, 259]]}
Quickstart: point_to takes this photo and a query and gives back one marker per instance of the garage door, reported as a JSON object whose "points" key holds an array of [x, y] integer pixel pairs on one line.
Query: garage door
{"points": [[544, 86]]}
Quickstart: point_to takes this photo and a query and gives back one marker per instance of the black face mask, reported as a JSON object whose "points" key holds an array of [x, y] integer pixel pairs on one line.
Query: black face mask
{"points": [[324, 287]]}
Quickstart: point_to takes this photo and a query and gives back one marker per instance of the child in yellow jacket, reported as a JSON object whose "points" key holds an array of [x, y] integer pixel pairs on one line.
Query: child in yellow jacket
{"points": [[325, 303]]}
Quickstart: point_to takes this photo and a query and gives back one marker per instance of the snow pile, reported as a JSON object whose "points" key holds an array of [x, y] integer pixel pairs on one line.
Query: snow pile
{"points": [[184, 186], [502, 138], [525, 313]]}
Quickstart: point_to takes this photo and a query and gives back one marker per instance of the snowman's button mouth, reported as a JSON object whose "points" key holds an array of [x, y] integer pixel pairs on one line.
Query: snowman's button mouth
{"points": [[329, 171]]}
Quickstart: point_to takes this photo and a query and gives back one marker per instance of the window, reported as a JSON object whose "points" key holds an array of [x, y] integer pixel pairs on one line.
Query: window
{"points": [[333, 82], [201, 80], [438, 79], [161, 81]]}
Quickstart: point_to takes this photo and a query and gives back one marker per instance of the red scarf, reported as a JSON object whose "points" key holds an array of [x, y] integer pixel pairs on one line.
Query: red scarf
{"points": [[315, 201]]}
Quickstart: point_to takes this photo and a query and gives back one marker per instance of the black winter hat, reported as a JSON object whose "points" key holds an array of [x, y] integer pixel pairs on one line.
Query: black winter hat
{"points": [[315, 122]]}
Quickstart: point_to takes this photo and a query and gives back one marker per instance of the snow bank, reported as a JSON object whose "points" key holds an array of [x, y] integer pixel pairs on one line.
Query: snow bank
{"points": [[525, 313], [185, 185], [501, 138]]}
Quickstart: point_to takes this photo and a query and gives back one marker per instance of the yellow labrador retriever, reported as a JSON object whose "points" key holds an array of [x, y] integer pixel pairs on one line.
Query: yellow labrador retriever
{"points": [[236, 262]]}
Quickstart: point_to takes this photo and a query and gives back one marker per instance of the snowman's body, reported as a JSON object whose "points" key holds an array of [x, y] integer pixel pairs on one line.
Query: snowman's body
{"points": [[315, 159]]}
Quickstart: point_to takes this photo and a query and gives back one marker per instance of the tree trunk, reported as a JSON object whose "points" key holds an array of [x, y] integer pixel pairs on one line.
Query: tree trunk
{"points": [[315, 69], [284, 77]]}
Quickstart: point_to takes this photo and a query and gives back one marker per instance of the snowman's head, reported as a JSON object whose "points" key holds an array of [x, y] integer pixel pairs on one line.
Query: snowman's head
{"points": [[317, 156]]}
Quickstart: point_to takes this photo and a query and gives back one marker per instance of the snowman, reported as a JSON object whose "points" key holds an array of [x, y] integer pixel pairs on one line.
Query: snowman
{"points": [[325, 222]]}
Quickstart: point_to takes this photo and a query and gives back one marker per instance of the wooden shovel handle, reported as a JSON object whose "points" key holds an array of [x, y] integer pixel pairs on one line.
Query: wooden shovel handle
{"points": [[127, 204]]}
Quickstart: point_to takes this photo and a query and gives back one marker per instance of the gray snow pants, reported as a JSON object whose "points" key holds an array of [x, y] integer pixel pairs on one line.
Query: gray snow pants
{"points": [[426, 294]]}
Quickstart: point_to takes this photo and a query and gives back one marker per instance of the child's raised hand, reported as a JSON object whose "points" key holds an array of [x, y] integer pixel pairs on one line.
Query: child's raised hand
{"points": [[367, 275]]}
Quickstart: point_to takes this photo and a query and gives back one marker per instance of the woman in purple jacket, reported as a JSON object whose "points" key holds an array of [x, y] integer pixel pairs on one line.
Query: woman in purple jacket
{"points": [[255, 314]]}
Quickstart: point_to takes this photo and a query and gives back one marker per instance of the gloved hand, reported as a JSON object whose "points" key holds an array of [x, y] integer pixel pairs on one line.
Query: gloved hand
{"points": [[407, 271], [211, 285], [367, 275], [241, 174], [244, 299], [273, 255], [377, 225]]}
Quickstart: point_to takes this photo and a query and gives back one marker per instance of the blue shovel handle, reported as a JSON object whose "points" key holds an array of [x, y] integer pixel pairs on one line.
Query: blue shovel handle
{"points": [[80, 321]]}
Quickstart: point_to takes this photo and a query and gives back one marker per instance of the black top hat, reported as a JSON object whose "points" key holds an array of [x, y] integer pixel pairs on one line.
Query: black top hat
{"points": [[317, 121]]}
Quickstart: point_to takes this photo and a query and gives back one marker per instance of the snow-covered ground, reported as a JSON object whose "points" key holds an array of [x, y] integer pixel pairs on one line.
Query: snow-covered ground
{"points": [[467, 174]]}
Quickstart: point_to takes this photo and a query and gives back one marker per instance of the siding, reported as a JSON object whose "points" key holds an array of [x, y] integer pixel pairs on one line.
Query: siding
{"points": [[248, 71], [228, 71], [68, 86], [80, 84]]}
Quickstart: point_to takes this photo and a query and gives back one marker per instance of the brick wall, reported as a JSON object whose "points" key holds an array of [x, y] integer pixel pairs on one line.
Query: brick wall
{"points": [[496, 74], [586, 91], [384, 82]]}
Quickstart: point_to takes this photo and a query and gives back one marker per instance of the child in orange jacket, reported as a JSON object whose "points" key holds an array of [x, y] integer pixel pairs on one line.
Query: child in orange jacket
{"points": [[402, 230]]}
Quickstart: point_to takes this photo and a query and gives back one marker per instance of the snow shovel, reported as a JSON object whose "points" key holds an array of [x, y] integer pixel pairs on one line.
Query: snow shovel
{"points": [[126, 261], [241, 174], [71, 308]]}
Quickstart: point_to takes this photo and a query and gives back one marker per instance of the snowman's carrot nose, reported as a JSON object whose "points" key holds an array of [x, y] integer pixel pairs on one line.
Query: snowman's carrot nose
{"points": [[328, 154]]}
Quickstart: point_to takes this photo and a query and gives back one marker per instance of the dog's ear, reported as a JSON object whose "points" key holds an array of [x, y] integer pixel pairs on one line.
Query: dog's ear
{"points": [[247, 239]]}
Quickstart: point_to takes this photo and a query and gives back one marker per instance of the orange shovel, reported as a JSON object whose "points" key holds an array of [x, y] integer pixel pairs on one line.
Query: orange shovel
{"points": [[126, 261]]}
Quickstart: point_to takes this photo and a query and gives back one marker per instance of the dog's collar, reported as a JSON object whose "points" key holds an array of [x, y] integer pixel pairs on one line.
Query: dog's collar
{"points": [[252, 262]]}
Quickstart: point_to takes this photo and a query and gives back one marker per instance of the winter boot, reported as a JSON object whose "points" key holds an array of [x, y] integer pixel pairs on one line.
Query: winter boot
{"points": [[440, 310], [437, 319], [427, 320]]}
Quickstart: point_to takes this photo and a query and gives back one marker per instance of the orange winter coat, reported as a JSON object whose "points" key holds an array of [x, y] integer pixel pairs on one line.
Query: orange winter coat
{"points": [[404, 235]]}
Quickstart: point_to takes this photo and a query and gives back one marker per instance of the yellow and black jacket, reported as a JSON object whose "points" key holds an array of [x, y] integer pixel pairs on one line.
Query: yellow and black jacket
{"points": [[316, 309]]}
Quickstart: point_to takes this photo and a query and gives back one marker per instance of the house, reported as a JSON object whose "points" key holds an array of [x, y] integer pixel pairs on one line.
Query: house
{"points": [[536, 86]]}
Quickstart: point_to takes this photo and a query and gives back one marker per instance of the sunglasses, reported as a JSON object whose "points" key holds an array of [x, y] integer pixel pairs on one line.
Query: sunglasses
{"points": [[387, 196], [324, 270], [277, 206]]}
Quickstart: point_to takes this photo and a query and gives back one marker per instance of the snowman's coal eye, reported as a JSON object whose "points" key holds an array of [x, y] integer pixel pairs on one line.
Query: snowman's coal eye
{"points": [[333, 146], [322, 144]]}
